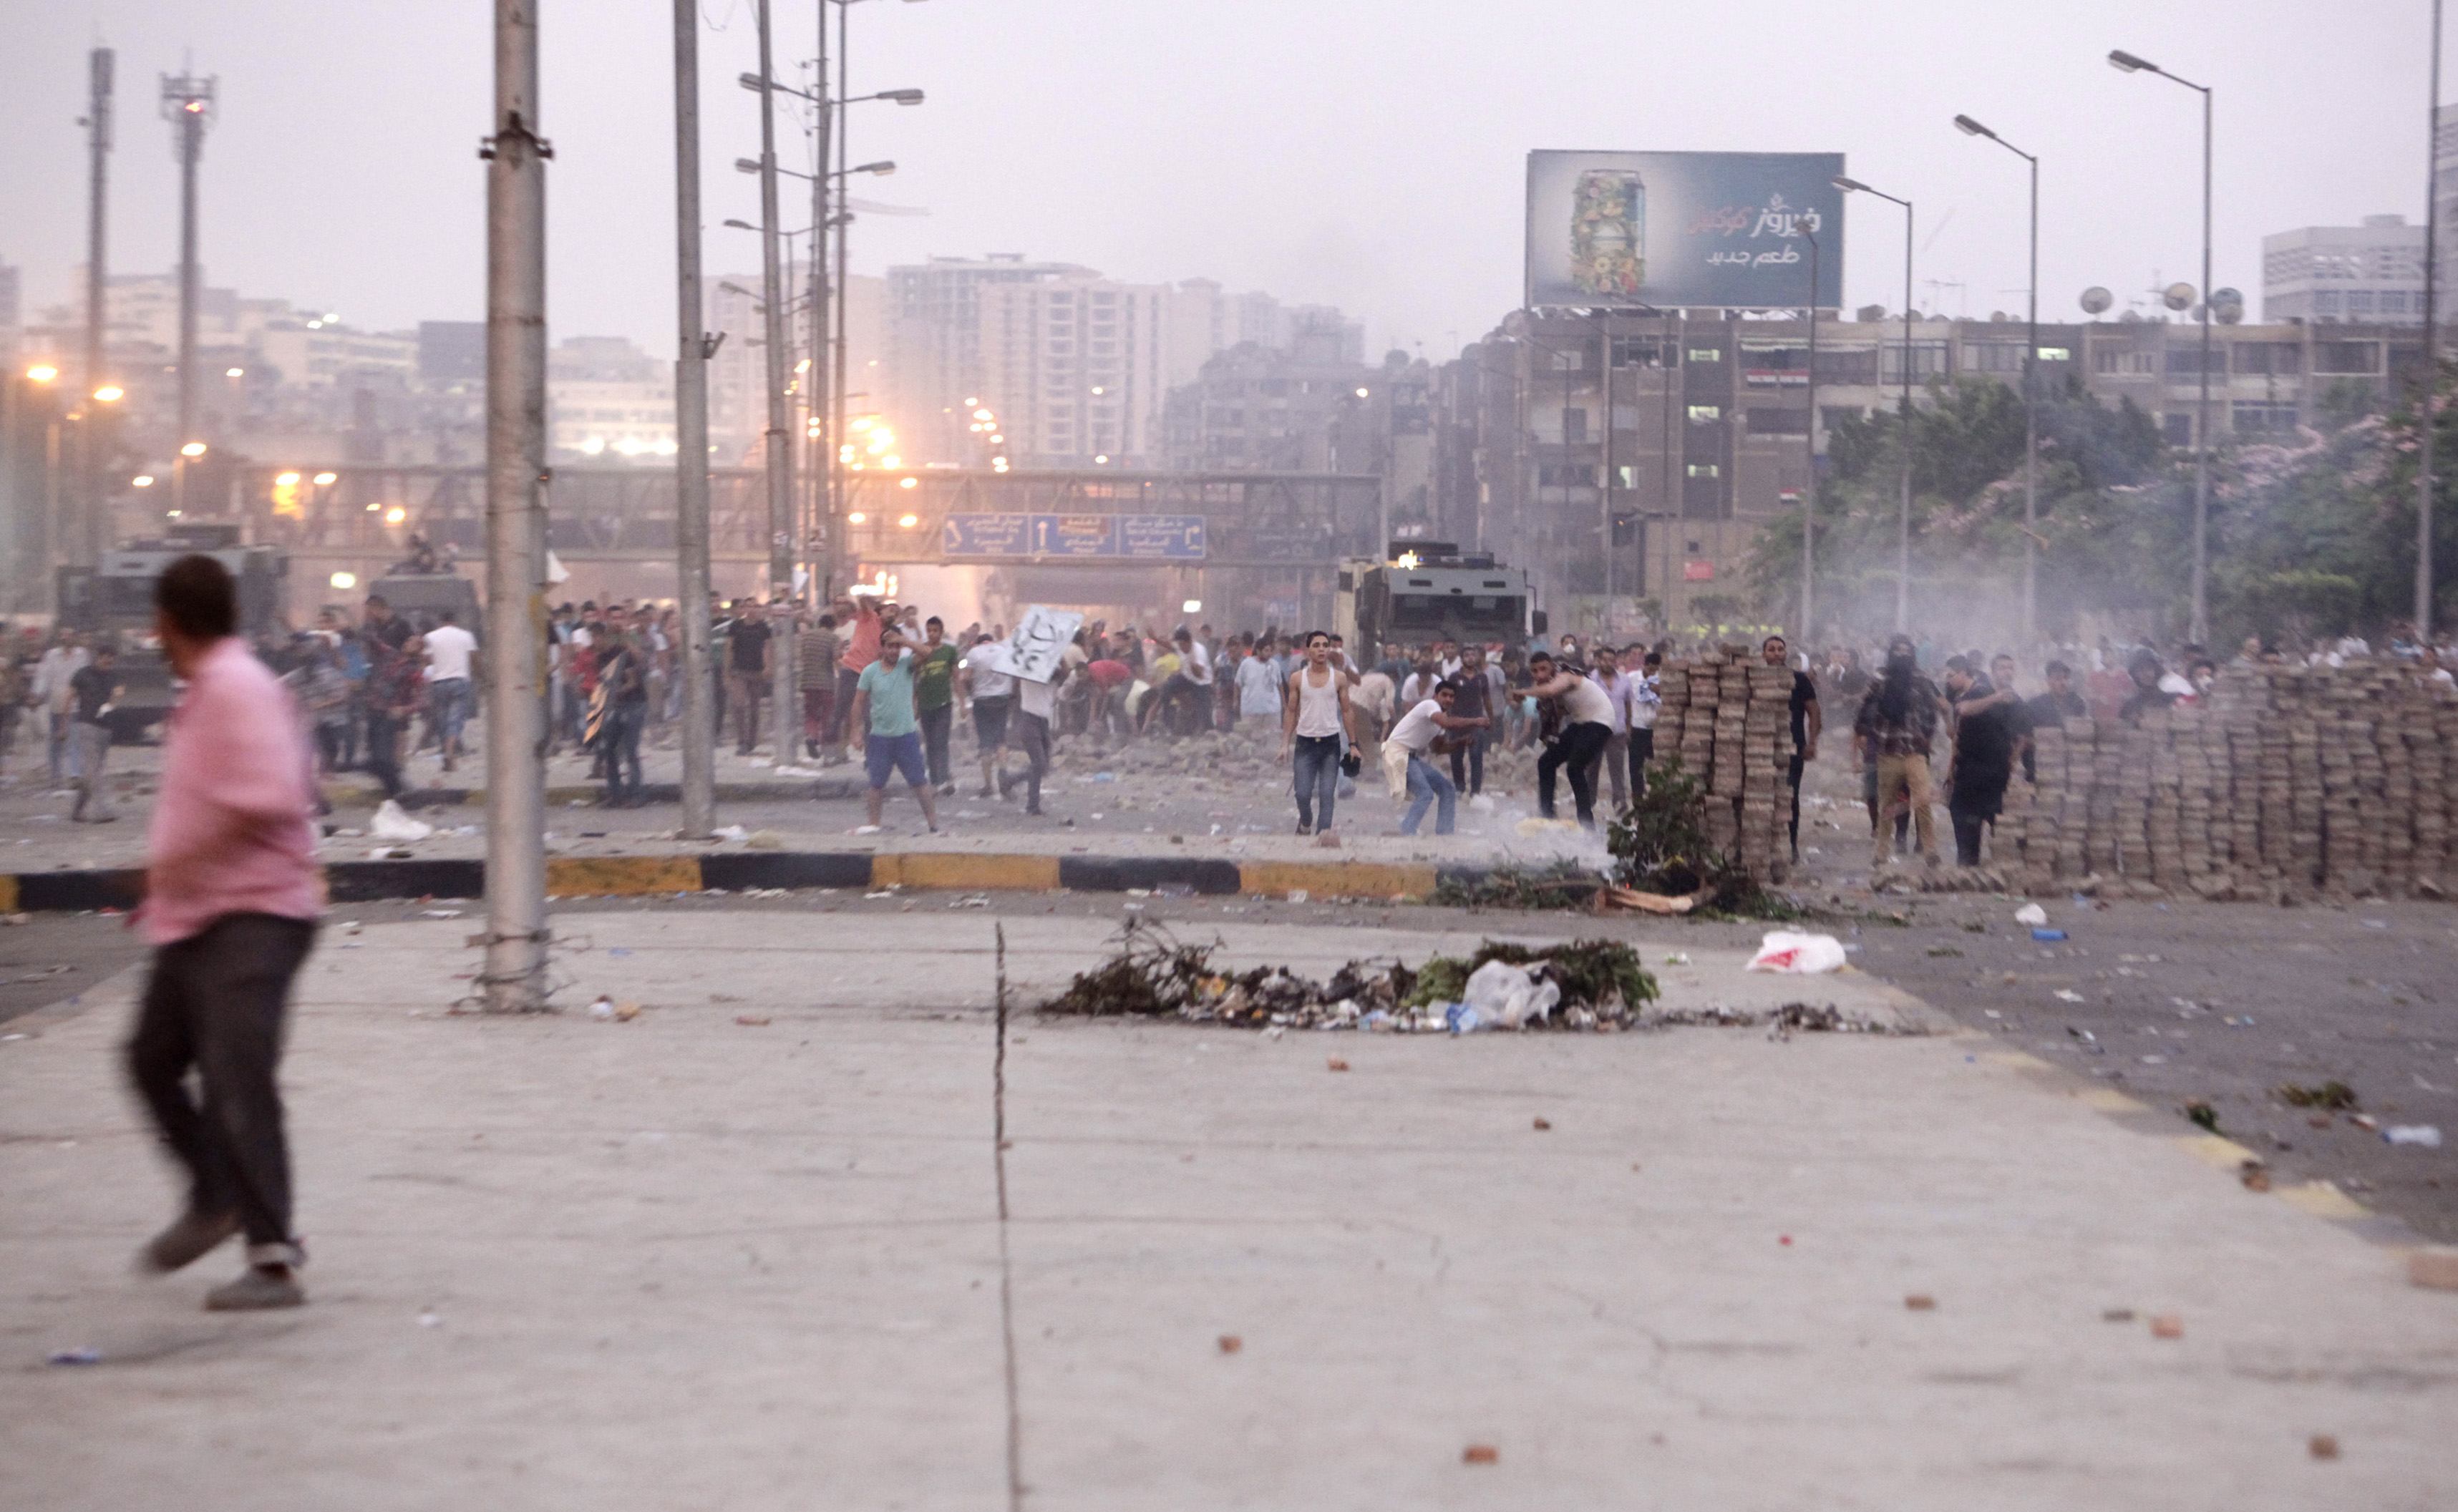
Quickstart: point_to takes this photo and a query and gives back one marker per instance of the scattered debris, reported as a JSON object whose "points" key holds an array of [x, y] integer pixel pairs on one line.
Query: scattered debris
{"points": [[84, 1355], [1480, 1454], [2069, 995], [2031, 914], [2434, 1266], [2424, 1136], [2116, 1315], [2336, 1096], [2167, 1325], [1799, 954], [2322, 1446], [1335, 1063], [1231, 1343], [393, 823], [2254, 1176], [1543, 1123], [752, 1020], [2202, 1115], [1920, 1302], [603, 1010]]}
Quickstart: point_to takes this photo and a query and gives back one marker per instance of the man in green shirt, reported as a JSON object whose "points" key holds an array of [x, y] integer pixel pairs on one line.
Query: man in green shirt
{"points": [[883, 709], [934, 698]]}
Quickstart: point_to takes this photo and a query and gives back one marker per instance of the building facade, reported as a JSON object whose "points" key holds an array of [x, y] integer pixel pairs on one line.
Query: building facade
{"points": [[2371, 273]]}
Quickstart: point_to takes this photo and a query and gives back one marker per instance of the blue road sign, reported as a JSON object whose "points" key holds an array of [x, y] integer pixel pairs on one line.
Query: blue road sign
{"points": [[1075, 536]]}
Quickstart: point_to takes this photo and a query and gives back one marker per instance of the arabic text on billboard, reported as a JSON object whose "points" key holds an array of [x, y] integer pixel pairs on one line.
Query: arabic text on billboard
{"points": [[1678, 230]]}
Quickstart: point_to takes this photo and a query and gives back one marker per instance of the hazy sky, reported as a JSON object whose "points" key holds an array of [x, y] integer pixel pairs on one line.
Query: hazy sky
{"points": [[1363, 153]]}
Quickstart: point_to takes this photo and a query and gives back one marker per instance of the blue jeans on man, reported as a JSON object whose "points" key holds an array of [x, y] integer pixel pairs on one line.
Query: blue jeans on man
{"points": [[620, 734], [1316, 760], [1428, 786]]}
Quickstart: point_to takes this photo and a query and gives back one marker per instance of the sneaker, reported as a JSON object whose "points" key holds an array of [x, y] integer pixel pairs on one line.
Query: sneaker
{"points": [[1306, 829], [191, 1238], [258, 1289]]}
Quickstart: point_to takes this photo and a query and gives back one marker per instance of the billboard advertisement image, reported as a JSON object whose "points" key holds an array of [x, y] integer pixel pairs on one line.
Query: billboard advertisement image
{"points": [[1675, 230]]}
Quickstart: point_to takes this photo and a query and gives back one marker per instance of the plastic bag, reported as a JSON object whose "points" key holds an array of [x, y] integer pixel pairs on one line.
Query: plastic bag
{"points": [[1805, 955], [391, 823], [2031, 914], [1509, 996]]}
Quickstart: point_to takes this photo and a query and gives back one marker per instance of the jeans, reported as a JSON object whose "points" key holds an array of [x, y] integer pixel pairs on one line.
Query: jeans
{"points": [[92, 743], [934, 740], [818, 705], [1032, 736], [619, 737], [744, 691], [1643, 751], [1428, 786], [1799, 763], [1317, 760], [1612, 760], [1468, 763], [447, 709], [1576, 750], [63, 757], [383, 751], [847, 683], [216, 1001]]}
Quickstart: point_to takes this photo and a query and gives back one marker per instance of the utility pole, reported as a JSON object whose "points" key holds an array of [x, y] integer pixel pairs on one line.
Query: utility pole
{"points": [[843, 281], [823, 574], [1809, 456], [188, 105], [780, 435], [693, 349], [91, 540], [514, 979]]}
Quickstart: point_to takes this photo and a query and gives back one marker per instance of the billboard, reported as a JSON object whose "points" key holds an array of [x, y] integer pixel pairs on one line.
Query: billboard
{"points": [[1674, 230]]}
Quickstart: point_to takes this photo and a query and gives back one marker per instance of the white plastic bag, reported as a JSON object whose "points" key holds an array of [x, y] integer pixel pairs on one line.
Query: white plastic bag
{"points": [[2031, 914], [1805, 955], [392, 825], [1509, 996]]}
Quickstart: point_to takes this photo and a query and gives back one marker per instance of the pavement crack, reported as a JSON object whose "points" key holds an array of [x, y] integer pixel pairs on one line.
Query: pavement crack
{"points": [[1007, 1263]]}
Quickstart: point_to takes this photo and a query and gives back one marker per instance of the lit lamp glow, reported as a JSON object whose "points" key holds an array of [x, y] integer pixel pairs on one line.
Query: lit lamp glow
{"points": [[345, 580], [193, 448], [110, 394]]}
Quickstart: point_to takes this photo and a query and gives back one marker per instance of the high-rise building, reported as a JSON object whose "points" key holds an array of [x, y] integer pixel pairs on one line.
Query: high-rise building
{"points": [[2361, 275], [13, 312], [1074, 369]]}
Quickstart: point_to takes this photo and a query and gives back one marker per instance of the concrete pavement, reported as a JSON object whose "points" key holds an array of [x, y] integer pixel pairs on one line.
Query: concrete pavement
{"points": [[692, 1261]]}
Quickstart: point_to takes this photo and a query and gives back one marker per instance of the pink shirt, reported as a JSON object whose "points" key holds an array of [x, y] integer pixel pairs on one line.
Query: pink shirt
{"points": [[862, 645], [232, 829]]}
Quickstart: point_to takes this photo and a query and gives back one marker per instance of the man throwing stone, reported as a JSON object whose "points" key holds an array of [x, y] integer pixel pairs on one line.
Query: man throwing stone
{"points": [[231, 897]]}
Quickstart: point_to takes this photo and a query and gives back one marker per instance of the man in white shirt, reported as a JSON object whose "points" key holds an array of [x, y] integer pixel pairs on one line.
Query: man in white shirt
{"points": [[1641, 698], [1421, 733], [991, 694], [1587, 725], [1259, 687], [448, 651], [1191, 684], [52, 677], [1614, 760]]}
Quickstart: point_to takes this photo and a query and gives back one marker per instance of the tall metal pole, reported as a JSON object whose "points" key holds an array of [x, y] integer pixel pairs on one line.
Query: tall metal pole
{"points": [[2199, 631], [1808, 629], [188, 104], [821, 385], [513, 979], [2032, 429], [843, 284], [691, 441], [94, 537], [780, 434], [1604, 508], [2429, 409], [1904, 508]]}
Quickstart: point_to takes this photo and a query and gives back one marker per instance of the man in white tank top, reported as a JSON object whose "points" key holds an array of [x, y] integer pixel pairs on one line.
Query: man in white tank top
{"points": [[1587, 726], [1314, 719]]}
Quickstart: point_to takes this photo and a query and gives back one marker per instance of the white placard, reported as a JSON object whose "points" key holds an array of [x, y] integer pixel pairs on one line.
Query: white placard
{"points": [[1037, 646]]}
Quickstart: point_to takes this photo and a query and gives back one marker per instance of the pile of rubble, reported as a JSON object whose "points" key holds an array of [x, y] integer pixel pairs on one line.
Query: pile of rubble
{"points": [[2288, 781], [1581, 984]]}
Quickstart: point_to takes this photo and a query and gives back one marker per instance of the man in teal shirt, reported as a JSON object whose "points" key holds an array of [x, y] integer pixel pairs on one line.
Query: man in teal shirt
{"points": [[883, 709]]}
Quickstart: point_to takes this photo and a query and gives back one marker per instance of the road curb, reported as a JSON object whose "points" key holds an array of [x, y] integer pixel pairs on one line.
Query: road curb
{"points": [[798, 790], [358, 881]]}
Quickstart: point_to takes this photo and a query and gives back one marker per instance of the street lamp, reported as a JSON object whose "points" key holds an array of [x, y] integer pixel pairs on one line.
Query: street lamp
{"points": [[110, 394], [2429, 408], [42, 373], [2030, 389], [1904, 508], [2199, 631]]}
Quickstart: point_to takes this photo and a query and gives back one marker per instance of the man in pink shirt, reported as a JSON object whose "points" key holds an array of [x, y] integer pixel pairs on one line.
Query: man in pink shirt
{"points": [[231, 899]]}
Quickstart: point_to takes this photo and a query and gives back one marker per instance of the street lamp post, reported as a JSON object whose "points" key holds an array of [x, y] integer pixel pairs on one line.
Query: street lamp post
{"points": [[778, 455], [2430, 406], [2199, 631], [1903, 506], [2031, 391], [1809, 449]]}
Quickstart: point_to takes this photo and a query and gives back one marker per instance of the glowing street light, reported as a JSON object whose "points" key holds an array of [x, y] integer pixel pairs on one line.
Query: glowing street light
{"points": [[396, 515], [908, 521], [143, 480], [234, 372], [286, 480], [110, 394], [857, 517], [42, 373], [908, 482], [344, 581], [325, 480], [193, 448]]}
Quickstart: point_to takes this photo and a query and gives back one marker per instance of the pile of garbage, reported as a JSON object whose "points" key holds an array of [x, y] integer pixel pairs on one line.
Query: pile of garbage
{"points": [[1578, 985]]}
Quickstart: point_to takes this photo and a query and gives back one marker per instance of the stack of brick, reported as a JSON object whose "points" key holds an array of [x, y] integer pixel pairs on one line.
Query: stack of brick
{"points": [[1728, 721], [2287, 781]]}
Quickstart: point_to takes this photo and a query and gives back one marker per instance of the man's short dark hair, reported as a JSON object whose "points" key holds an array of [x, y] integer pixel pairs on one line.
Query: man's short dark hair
{"points": [[446, 615], [1312, 634], [1545, 656], [1773, 640], [197, 596], [2056, 669], [827, 622], [1959, 664], [934, 620], [379, 601]]}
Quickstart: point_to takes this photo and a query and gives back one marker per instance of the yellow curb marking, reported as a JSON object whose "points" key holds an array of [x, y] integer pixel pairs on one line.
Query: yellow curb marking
{"points": [[2323, 1200], [1338, 878], [2213, 1150], [2109, 1100], [963, 872], [621, 876]]}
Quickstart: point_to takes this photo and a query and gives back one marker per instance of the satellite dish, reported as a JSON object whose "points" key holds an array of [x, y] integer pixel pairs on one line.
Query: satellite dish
{"points": [[2177, 296], [2095, 300], [2227, 305]]}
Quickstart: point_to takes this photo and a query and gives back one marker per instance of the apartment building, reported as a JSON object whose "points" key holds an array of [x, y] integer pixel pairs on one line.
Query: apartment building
{"points": [[2356, 275]]}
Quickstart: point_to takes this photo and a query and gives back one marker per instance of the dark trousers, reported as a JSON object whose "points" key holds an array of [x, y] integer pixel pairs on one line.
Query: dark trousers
{"points": [[1468, 764], [1969, 823], [383, 751], [849, 683], [1031, 735], [618, 738], [1643, 751], [216, 1001], [934, 740], [1799, 763], [1576, 750]]}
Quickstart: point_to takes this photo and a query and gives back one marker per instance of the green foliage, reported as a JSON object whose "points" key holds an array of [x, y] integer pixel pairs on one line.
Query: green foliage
{"points": [[1589, 972]]}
